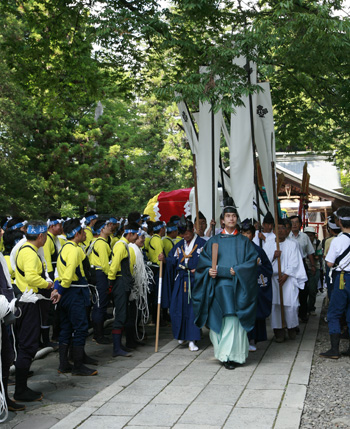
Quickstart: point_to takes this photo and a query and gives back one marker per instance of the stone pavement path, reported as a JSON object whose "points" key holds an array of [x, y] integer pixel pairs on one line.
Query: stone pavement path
{"points": [[175, 388], [64, 393]]}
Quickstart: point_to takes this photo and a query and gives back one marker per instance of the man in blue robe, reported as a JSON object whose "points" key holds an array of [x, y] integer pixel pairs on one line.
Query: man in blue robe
{"points": [[181, 265], [264, 285], [225, 298]]}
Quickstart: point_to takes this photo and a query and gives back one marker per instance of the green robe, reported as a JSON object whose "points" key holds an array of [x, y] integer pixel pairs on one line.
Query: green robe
{"points": [[226, 295]]}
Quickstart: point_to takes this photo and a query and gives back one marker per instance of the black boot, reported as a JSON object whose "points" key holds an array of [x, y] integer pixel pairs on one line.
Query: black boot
{"points": [[98, 334], [22, 391], [79, 368], [89, 360], [333, 352], [45, 336], [130, 342], [11, 405], [117, 350], [346, 352], [65, 366]]}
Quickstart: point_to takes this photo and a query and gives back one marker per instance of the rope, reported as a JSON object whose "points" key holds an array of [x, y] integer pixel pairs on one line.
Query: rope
{"points": [[143, 276]]}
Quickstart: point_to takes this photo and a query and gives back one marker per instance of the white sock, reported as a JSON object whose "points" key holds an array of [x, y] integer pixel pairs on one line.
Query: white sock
{"points": [[192, 347]]}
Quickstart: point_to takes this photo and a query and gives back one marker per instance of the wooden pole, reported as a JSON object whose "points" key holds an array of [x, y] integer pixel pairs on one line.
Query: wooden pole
{"points": [[213, 185], [277, 241], [254, 153], [159, 301], [196, 191], [214, 255]]}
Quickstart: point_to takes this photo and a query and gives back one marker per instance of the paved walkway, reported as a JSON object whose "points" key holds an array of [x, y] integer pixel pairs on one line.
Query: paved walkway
{"points": [[175, 388]]}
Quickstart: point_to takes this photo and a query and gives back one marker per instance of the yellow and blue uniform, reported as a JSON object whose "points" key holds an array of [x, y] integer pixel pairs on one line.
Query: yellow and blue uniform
{"points": [[89, 237], [74, 291], [99, 260], [156, 247], [9, 266], [114, 239], [120, 252], [168, 244], [29, 269], [50, 254], [29, 274], [100, 255]]}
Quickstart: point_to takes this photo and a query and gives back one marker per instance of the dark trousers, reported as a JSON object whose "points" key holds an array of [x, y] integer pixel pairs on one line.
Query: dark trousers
{"points": [[132, 315], [74, 323], [340, 303], [99, 309], [303, 295], [120, 300], [44, 308], [7, 354], [313, 283], [28, 334]]}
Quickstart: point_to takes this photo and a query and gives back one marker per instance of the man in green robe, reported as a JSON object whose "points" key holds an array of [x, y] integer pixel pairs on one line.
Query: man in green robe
{"points": [[225, 298]]}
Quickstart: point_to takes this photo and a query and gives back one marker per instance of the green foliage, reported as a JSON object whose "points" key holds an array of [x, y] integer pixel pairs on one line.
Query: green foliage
{"points": [[59, 59]]}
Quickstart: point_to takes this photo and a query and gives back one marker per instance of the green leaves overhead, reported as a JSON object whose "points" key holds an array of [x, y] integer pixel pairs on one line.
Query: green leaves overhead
{"points": [[59, 59]]}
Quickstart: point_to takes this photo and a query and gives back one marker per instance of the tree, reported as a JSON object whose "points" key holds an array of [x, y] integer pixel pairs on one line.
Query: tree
{"points": [[300, 46]]}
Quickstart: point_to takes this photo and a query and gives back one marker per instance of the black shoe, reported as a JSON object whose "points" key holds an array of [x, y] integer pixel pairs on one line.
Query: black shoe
{"points": [[345, 335], [65, 367], [102, 340], [333, 352], [229, 364], [98, 336], [11, 405], [117, 349], [126, 349], [14, 406], [79, 368], [84, 371], [89, 360], [27, 395], [22, 391], [130, 344]]}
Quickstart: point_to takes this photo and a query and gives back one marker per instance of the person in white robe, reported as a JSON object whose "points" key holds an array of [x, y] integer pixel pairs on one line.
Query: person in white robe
{"points": [[293, 277], [267, 234]]}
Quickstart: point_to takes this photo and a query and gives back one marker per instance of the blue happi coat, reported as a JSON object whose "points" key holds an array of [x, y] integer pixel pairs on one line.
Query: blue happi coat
{"points": [[179, 282]]}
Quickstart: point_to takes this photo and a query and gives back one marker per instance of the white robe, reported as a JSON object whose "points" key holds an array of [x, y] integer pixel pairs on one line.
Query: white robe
{"points": [[268, 236], [292, 265]]}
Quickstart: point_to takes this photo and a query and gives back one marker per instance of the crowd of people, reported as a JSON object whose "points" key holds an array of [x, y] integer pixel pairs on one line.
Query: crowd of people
{"points": [[67, 273]]}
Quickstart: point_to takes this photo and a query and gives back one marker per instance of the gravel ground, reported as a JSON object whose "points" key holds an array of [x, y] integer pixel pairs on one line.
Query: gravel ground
{"points": [[327, 403]]}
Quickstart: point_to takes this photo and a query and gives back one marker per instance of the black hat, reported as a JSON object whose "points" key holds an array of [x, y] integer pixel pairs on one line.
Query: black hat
{"points": [[268, 218], [280, 222], [229, 206], [184, 225]]}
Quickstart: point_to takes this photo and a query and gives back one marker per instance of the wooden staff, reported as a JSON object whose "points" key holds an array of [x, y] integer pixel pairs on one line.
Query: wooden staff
{"points": [[303, 193], [196, 191], [213, 183], [277, 241], [214, 255], [159, 301]]}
